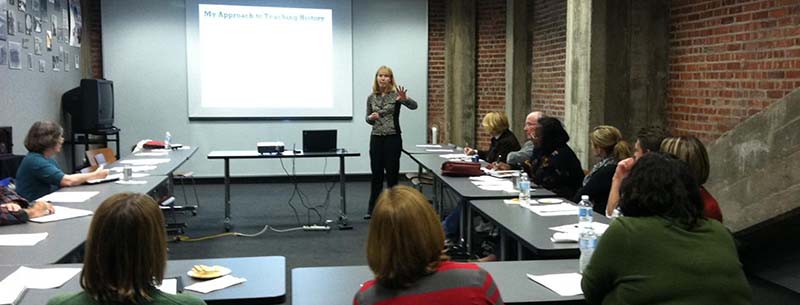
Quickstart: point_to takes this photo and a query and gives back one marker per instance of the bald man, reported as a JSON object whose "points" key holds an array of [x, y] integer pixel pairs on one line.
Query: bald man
{"points": [[516, 158]]}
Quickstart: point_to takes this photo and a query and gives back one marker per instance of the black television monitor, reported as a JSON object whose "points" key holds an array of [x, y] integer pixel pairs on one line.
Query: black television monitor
{"points": [[91, 106]]}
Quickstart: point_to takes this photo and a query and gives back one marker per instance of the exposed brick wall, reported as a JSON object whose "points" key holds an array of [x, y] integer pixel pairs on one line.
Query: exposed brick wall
{"points": [[491, 63], [91, 17], [728, 61], [436, 24], [548, 30]]}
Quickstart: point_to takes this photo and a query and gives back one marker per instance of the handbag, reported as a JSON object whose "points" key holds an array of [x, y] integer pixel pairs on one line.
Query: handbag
{"points": [[461, 168]]}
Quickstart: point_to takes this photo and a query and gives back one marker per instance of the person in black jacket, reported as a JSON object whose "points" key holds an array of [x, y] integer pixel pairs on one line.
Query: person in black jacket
{"points": [[609, 147], [503, 140], [553, 164]]}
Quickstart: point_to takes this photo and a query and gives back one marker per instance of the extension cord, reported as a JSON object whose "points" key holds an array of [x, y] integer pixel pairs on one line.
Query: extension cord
{"points": [[316, 228]]}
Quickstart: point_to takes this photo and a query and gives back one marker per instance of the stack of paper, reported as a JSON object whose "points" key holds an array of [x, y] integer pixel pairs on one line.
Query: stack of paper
{"points": [[22, 239], [561, 209], [455, 156], [63, 196], [428, 146], [565, 284], [62, 213], [13, 286], [489, 183], [599, 228], [216, 284]]}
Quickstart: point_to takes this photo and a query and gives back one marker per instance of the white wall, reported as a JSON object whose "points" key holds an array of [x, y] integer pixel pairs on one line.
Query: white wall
{"points": [[144, 49]]}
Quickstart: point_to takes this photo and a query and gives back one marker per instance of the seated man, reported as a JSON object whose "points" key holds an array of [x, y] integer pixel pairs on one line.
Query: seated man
{"points": [[15, 209], [516, 158]]}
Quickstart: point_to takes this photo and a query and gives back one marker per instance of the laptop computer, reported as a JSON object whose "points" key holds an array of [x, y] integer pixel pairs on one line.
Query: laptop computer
{"points": [[319, 140]]}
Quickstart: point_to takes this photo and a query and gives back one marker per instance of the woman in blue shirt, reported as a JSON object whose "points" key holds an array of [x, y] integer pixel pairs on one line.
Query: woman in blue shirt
{"points": [[38, 174]]}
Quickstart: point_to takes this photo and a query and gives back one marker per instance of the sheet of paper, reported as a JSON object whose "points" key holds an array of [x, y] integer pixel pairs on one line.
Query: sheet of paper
{"points": [[10, 292], [152, 154], [142, 168], [439, 150], [65, 196], [565, 284], [47, 278], [454, 156], [132, 182], [428, 146], [22, 239], [561, 209], [144, 161], [216, 284], [169, 286], [599, 228], [185, 147], [61, 213], [565, 237]]}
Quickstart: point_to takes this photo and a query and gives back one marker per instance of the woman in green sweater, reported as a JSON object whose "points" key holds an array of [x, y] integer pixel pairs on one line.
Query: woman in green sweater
{"points": [[126, 254], [663, 251]]}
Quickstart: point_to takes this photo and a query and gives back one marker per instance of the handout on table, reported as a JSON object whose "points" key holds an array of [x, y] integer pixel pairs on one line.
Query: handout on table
{"points": [[29, 239], [565, 284], [61, 213], [63, 196]]}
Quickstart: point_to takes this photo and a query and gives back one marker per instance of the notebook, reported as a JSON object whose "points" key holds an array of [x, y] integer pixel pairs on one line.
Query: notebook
{"points": [[319, 140]]}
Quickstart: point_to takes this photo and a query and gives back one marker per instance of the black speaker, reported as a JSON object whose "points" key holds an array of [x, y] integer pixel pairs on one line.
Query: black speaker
{"points": [[5, 141]]}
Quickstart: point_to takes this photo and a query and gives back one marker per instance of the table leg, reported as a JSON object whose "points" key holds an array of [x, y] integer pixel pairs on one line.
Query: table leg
{"points": [[519, 250], [227, 195], [503, 246], [343, 224], [468, 230]]}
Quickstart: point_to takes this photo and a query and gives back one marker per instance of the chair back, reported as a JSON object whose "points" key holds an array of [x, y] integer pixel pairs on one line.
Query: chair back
{"points": [[100, 156]]}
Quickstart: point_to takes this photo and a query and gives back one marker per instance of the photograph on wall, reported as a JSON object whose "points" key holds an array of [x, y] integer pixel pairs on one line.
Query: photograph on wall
{"points": [[37, 45], [37, 24], [22, 5], [28, 24], [30, 61], [56, 4], [26, 42], [75, 23], [3, 30], [48, 41], [66, 62], [35, 5], [43, 8], [10, 23], [55, 63], [77, 61], [42, 64], [14, 55], [3, 53]]}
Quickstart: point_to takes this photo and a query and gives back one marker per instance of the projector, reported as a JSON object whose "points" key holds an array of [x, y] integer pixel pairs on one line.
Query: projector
{"points": [[270, 147]]}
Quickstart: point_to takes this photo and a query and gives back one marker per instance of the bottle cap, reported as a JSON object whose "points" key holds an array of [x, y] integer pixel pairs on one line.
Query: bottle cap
{"points": [[584, 197]]}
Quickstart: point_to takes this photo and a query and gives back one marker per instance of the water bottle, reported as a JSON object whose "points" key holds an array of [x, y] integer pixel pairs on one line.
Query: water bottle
{"points": [[587, 243], [524, 189], [167, 140], [585, 212], [515, 180]]}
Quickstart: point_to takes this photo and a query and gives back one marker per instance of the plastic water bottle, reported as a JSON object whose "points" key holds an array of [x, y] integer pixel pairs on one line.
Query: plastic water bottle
{"points": [[587, 243], [515, 180], [524, 189], [585, 212], [167, 140]]}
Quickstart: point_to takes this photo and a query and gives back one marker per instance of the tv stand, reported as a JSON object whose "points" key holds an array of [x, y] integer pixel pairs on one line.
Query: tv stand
{"points": [[110, 134]]}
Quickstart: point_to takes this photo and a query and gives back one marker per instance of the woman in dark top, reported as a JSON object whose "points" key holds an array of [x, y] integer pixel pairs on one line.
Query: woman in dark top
{"points": [[609, 147], [553, 164], [385, 143], [503, 140]]}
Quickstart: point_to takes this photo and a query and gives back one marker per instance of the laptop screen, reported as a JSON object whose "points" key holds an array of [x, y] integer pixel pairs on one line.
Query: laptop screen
{"points": [[319, 140]]}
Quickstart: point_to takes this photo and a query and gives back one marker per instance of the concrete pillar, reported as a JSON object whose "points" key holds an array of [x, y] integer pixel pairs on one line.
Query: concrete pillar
{"points": [[584, 95], [518, 91], [460, 96]]}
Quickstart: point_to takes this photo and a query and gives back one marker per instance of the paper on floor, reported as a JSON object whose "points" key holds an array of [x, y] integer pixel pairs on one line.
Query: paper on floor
{"points": [[22, 239], [565, 284]]}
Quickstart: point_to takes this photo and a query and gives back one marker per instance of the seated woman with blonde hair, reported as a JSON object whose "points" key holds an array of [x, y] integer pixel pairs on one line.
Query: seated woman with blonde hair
{"points": [[126, 253], [503, 140], [404, 250], [691, 151], [610, 148]]}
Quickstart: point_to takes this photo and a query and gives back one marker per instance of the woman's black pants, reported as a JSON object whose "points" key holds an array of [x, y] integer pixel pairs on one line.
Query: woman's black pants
{"points": [[384, 161]]}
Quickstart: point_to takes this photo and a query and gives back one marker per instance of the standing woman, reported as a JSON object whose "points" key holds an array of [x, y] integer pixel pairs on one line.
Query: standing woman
{"points": [[385, 143], [38, 174], [126, 255]]}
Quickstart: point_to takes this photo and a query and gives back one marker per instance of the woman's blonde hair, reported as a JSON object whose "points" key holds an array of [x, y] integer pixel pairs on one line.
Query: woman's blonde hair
{"points": [[376, 88], [609, 139], [495, 122], [126, 251], [691, 151], [405, 239]]}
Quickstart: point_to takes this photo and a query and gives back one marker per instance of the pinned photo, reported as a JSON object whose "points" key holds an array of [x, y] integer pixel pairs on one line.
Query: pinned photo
{"points": [[77, 61], [14, 55], [22, 5], [28, 24], [37, 45], [3, 54], [55, 63], [42, 63], [37, 24], [30, 61], [49, 41], [11, 23], [26, 42], [3, 25]]}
